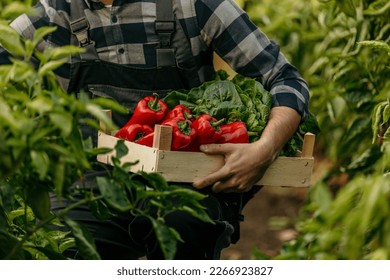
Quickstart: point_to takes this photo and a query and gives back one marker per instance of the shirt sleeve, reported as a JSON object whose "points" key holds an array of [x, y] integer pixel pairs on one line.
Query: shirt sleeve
{"points": [[45, 13], [23, 26], [227, 29]]}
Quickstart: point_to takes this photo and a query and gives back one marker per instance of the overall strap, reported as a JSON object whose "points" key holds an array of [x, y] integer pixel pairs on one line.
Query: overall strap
{"points": [[165, 26], [79, 26]]}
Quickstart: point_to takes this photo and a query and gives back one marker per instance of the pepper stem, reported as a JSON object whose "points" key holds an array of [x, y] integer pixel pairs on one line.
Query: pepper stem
{"points": [[154, 105], [187, 115], [216, 124], [184, 127]]}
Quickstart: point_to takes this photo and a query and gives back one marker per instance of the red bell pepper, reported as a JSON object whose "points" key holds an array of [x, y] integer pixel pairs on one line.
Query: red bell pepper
{"points": [[147, 140], [133, 132], [207, 129], [194, 146], [235, 132], [182, 132], [149, 110], [179, 111]]}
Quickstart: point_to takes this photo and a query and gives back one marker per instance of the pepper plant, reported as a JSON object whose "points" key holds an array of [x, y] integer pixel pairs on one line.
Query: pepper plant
{"points": [[327, 41], [43, 153], [342, 50]]}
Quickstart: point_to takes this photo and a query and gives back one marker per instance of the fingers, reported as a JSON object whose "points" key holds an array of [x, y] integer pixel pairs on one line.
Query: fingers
{"points": [[222, 181], [221, 174], [235, 176], [229, 187], [211, 179], [216, 149]]}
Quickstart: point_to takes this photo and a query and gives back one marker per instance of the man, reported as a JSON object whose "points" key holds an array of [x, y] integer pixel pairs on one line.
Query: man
{"points": [[134, 48]]}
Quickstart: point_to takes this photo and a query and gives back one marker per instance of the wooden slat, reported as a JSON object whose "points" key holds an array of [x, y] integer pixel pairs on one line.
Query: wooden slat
{"points": [[145, 157], [187, 167], [289, 172]]}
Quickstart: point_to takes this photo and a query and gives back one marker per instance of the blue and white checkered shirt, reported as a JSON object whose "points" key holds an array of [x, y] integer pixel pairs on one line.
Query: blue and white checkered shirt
{"points": [[125, 34]]}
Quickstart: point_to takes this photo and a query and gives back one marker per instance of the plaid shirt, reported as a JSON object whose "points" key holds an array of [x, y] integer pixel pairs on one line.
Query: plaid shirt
{"points": [[125, 34]]}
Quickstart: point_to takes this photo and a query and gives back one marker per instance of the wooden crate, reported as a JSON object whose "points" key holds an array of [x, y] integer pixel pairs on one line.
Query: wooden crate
{"points": [[177, 166]]}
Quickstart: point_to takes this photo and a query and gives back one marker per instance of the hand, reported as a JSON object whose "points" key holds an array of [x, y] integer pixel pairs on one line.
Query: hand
{"points": [[244, 166]]}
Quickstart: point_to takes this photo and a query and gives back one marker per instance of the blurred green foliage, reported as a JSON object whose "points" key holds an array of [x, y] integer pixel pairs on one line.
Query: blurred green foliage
{"points": [[342, 50], [43, 153]]}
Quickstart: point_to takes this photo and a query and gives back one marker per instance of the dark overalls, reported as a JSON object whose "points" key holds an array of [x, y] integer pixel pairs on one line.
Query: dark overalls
{"points": [[126, 237]]}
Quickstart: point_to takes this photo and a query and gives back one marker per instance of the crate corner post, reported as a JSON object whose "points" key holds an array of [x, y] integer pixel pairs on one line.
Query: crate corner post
{"points": [[308, 145]]}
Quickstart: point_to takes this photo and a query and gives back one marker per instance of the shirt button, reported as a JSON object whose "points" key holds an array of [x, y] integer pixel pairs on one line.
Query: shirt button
{"points": [[114, 19], [121, 50]]}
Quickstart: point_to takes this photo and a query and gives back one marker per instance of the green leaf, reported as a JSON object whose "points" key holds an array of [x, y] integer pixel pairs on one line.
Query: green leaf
{"points": [[41, 104], [173, 98], [347, 7], [322, 197], [50, 66], [7, 117], [310, 125], [386, 113], [41, 162], [186, 193], [49, 253], [109, 103], [100, 210], [22, 71], [167, 238], [121, 149], [11, 40], [377, 119], [62, 120], [84, 240], [9, 247], [41, 32], [376, 44], [372, 201], [155, 181], [377, 8], [39, 201], [62, 52], [66, 244], [59, 177], [98, 113], [365, 161], [56, 235], [14, 9], [114, 194], [354, 133], [197, 212]]}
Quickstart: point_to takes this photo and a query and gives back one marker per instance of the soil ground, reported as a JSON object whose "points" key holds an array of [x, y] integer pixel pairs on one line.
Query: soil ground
{"points": [[271, 204]]}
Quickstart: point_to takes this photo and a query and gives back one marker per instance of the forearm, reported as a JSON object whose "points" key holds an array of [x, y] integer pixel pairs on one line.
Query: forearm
{"points": [[282, 124]]}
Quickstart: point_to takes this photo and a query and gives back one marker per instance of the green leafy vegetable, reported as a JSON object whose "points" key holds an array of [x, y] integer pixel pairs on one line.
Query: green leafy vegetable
{"points": [[239, 99]]}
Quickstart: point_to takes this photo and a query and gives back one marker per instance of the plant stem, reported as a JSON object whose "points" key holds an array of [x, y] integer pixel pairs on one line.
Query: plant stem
{"points": [[42, 223]]}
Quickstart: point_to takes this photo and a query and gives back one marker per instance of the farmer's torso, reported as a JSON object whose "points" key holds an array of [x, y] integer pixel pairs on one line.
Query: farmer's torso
{"points": [[128, 58], [125, 35]]}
